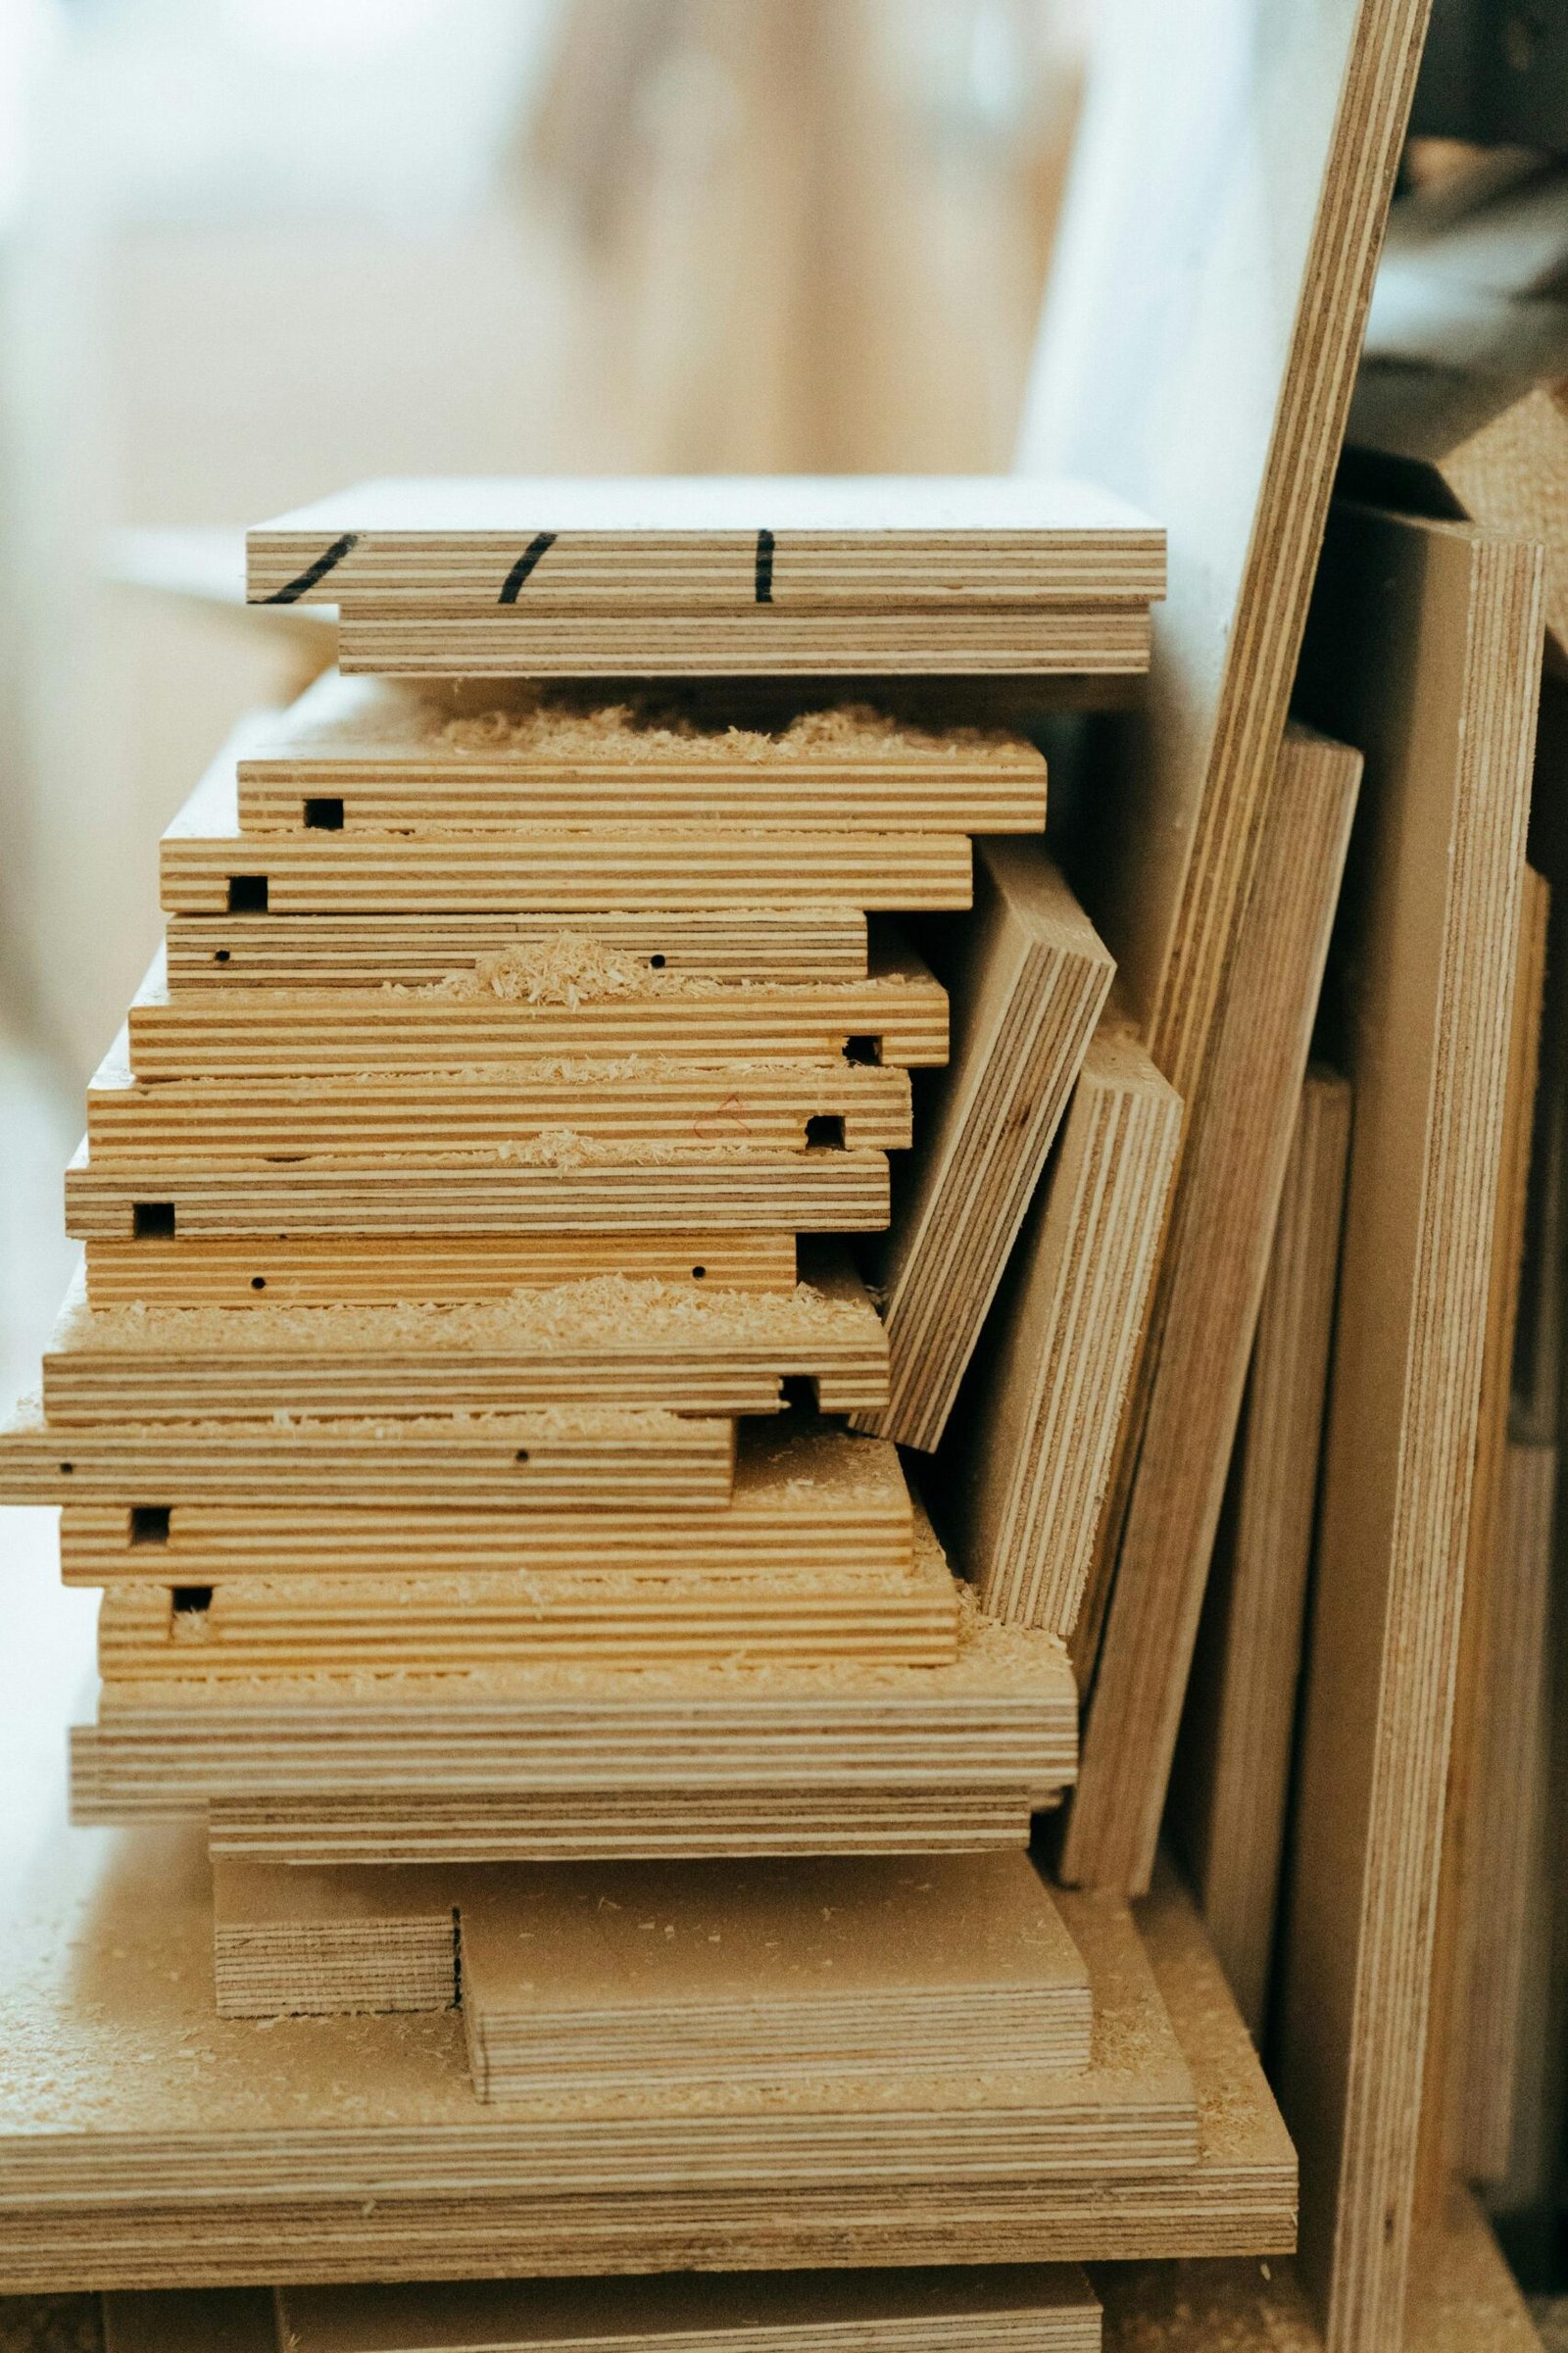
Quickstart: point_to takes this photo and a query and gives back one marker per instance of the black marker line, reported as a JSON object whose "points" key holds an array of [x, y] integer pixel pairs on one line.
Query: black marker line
{"points": [[318, 571], [539, 545], [764, 567]]}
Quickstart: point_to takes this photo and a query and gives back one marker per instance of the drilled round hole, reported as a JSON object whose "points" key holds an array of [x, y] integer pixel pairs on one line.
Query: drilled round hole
{"points": [[258, 1282], [698, 1272], [523, 1453], [220, 956], [68, 1467], [658, 962]]}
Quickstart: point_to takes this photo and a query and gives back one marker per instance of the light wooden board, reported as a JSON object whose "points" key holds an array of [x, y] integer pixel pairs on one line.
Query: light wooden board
{"points": [[670, 539], [1478, 1696], [207, 865], [1029, 978], [612, 1340], [1229, 182], [1231, 1785], [358, 754], [1107, 641], [1176, 1440], [597, 1973], [1464, 2300], [1035, 1455], [951, 2196], [605, 1458], [565, 999], [422, 1115], [1499, 2054], [272, 1271], [1427, 649], [1023, 2308], [573, 1187], [793, 944], [250, 1627], [1012, 2306], [807, 1499]]}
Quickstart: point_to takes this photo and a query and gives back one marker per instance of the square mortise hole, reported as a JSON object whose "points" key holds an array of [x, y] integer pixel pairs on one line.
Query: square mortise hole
{"points": [[862, 1050], [323, 816], [192, 1600], [152, 1218], [247, 894], [149, 1523], [826, 1128]]}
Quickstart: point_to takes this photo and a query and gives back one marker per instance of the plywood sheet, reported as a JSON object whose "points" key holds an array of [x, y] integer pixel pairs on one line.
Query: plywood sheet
{"points": [[1427, 650], [1029, 980], [1035, 1455], [1230, 1786]]}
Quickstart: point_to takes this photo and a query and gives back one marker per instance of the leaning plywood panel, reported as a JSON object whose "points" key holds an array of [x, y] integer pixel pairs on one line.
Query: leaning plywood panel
{"points": [[1029, 980], [1176, 1443], [1427, 650], [1508, 1809], [1036, 1456], [1231, 1783], [1227, 201], [1478, 1694]]}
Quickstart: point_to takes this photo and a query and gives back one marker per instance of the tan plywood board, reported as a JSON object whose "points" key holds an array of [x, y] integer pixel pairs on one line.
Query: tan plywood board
{"points": [[789, 945], [268, 1270], [1427, 648], [1175, 1441], [1024, 2308], [1231, 1785], [565, 998], [1037, 1458], [1029, 979], [604, 1456], [1047, 2310], [612, 1340], [569, 1186], [375, 753], [363, 1119]]}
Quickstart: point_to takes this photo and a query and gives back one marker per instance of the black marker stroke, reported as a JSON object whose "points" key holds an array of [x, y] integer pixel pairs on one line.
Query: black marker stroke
{"points": [[540, 545], [318, 571]]}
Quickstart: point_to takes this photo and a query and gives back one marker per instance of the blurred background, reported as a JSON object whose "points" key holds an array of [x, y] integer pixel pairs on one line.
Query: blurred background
{"points": [[254, 250]]}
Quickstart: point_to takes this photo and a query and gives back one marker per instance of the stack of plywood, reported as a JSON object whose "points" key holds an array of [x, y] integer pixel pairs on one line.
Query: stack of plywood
{"points": [[446, 1409]]}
